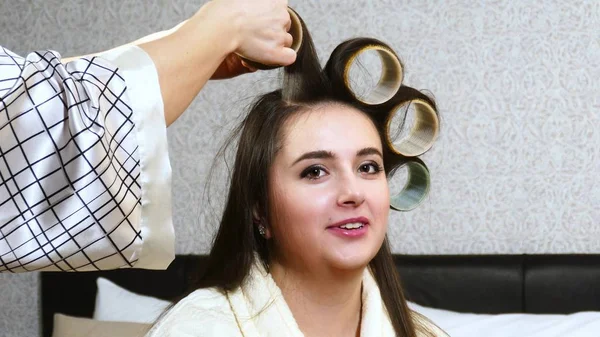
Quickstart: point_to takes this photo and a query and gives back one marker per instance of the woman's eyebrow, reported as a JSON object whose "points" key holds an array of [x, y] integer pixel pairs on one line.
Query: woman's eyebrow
{"points": [[368, 151], [321, 154]]}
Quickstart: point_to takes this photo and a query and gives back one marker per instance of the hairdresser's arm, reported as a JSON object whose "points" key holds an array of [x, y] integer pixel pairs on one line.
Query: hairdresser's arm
{"points": [[187, 58], [204, 47]]}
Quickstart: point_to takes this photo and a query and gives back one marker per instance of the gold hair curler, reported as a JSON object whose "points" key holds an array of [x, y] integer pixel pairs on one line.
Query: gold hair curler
{"points": [[391, 74], [416, 189], [343, 57], [295, 31], [422, 134]]}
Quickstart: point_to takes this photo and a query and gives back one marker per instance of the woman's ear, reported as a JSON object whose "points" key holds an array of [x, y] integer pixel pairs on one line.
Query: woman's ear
{"points": [[260, 223], [255, 215]]}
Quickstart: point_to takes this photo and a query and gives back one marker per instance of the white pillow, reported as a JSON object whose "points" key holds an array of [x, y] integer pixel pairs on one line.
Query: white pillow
{"points": [[114, 303], [582, 324], [69, 326]]}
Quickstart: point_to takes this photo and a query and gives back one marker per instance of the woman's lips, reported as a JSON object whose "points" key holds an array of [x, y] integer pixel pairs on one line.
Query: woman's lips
{"points": [[360, 219], [349, 233], [362, 222]]}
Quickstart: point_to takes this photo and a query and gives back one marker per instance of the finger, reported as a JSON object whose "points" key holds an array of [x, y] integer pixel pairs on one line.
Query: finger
{"points": [[285, 56], [288, 22], [288, 40]]}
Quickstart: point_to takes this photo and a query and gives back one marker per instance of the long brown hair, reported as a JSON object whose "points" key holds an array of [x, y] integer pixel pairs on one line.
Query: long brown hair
{"points": [[305, 84]]}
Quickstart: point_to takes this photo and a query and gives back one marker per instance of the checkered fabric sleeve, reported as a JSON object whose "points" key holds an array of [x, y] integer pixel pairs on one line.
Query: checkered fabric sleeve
{"points": [[77, 172]]}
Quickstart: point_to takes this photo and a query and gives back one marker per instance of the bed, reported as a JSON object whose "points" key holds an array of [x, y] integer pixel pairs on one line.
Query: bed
{"points": [[482, 284]]}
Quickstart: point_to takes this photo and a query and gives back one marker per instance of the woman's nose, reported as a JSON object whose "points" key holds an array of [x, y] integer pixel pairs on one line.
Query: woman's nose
{"points": [[350, 192]]}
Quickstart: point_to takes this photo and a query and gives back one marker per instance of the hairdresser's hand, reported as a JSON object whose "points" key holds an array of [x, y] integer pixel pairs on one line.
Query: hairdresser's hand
{"points": [[260, 29]]}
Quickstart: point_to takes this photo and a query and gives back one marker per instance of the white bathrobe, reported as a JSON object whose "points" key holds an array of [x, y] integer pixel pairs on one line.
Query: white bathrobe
{"points": [[209, 313]]}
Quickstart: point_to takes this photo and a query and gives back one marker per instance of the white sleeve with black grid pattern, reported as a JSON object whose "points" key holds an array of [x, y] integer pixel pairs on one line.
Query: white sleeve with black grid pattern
{"points": [[76, 185]]}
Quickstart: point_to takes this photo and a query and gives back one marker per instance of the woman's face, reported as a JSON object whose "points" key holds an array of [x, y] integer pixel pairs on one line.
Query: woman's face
{"points": [[327, 190]]}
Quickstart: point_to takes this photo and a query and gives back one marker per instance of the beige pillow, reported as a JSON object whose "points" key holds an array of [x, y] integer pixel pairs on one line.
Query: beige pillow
{"points": [[68, 326]]}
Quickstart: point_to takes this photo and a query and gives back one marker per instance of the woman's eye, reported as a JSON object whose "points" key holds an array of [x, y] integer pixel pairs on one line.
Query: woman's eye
{"points": [[313, 172], [370, 168]]}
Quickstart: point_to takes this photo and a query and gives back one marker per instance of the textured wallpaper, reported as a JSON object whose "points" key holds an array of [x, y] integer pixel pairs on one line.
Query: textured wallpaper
{"points": [[515, 170]]}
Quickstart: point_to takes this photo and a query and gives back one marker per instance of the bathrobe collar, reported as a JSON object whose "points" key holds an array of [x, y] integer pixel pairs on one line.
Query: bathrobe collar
{"points": [[261, 310]]}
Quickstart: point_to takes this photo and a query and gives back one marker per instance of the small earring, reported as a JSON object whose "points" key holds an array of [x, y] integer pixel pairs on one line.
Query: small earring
{"points": [[262, 230]]}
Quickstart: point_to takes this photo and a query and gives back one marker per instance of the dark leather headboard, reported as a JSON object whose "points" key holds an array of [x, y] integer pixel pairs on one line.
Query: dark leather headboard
{"points": [[541, 284], [480, 284]]}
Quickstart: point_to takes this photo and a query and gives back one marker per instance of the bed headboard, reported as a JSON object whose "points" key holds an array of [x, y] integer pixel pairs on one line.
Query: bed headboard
{"points": [[467, 283]]}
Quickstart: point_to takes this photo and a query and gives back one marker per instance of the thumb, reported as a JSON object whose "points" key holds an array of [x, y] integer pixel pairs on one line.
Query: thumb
{"points": [[285, 56]]}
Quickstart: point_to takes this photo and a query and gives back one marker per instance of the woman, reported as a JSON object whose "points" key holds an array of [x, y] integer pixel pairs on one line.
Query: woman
{"points": [[301, 249]]}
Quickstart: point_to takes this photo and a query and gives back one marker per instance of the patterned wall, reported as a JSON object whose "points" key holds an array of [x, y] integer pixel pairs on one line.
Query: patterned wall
{"points": [[517, 83]]}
